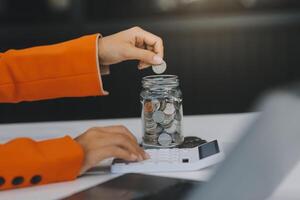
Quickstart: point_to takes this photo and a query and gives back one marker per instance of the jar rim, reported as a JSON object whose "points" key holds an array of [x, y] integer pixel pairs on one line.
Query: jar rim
{"points": [[160, 81], [160, 76]]}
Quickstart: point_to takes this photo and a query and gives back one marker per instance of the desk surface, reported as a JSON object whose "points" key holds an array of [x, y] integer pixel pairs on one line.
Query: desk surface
{"points": [[227, 128]]}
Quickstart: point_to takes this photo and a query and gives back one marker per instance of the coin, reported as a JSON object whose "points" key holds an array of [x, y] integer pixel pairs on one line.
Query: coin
{"points": [[164, 139], [159, 69], [150, 139], [158, 116], [167, 121], [156, 104], [148, 107], [158, 129], [169, 109], [150, 128], [162, 104], [147, 116], [173, 127], [150, 123]]}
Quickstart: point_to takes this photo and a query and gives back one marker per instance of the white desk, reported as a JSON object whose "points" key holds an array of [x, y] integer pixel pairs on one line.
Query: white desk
{"points": [[226, 128]]}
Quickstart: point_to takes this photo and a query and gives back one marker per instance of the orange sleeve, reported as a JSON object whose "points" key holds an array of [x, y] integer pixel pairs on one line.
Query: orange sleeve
{"points": [[68, 69], [24, 162]]}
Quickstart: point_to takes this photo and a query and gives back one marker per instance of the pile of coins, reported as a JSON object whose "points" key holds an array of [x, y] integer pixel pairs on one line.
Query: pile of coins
{"points": [[162, 122]]}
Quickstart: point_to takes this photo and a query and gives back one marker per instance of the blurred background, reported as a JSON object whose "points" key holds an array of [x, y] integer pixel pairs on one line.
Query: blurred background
{"points": [[225, 52]]}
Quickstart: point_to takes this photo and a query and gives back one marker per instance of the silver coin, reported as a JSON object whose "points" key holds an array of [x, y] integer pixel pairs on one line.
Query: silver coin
{"points": [[164, 139], [168, 121], [150, 138], [149, 123], [151, 129], [147, 116], [153, 132], [156, 104], [173, 127], [158, 130], [169, 109], [159, 69], [150, 141], [158, 116]]}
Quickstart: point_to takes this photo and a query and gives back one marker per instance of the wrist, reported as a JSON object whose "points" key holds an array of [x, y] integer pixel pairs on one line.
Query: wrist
{"points": [[100, 50]]}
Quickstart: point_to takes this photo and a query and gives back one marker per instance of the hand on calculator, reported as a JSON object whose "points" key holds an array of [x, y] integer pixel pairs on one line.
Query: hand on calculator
{"points": [[174, 159]]}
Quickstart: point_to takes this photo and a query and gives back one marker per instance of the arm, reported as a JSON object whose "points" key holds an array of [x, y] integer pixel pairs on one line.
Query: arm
{"points": [[68, 69], [64, 70], [71, 69], [24, 162]]}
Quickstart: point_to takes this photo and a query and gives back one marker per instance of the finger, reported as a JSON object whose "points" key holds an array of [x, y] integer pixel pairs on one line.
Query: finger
{"points": [[151, 40], [116, 152], [143, 65], [140, 43], [122, 131], [132, 146], [123, 142], [127, 132], [117, 140], [150, 48], [95, 156], [120, 140], [134, 53], [118, 129]]}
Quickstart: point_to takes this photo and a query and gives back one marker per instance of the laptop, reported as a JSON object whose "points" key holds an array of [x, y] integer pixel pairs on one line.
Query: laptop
{"points": [[252, 170]]}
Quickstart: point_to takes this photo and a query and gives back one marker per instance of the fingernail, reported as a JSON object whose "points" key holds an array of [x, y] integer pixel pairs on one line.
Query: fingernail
{"points": [[157, 59], [133, 157]]}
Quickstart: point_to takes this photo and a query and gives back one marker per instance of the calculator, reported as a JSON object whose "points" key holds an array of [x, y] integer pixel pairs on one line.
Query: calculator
{"points": [[173, 159]]}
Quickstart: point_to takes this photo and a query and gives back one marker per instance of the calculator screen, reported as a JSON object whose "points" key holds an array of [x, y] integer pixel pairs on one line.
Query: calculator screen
{"points": [[208, 149]]}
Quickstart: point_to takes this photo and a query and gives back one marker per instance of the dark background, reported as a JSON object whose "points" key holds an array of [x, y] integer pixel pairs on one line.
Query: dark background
{"points": [[225, 52]]}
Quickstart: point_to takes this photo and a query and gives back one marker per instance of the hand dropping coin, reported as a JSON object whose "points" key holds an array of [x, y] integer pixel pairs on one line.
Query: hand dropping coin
{"points": [[159, 69]]}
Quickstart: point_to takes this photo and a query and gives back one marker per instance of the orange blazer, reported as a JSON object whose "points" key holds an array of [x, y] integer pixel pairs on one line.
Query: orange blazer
{"points": [[68, 69]]}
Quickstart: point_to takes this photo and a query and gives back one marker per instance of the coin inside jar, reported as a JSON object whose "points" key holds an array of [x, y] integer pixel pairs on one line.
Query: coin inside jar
{"points": [[169, 109], [159, 69], [148, 107], [164, 139], [158, 116], [173, 127], [156, 104]]}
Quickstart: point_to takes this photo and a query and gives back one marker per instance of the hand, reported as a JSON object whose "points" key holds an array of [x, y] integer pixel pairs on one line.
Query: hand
{"points": [[131, 44], [99, 143]]}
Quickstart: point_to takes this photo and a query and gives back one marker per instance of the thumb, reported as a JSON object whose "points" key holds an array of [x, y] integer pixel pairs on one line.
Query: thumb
{"points": [[144, 55]]}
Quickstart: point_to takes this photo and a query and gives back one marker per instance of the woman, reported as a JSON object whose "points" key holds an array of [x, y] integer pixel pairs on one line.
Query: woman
{"points": [[69, 69]]}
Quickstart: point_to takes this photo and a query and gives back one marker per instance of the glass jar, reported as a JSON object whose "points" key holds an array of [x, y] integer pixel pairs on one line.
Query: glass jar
{"points": [[162, 113]]}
